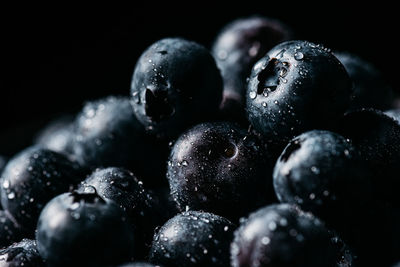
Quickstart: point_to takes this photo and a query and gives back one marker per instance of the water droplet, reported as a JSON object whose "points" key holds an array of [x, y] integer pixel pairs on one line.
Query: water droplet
{"points": [[184, 163], [326, 193], [315, 170], [74, 206], [75, 215], [283, 222], [298, 56], [11, 195], [187, 208], [276, 102], [252, 94], [226, 228], [265, 240], [205, 251], [312, 196], [31, 199], [272, 226], [222, 54], [264, 104], [6, 184], [346, 152]]}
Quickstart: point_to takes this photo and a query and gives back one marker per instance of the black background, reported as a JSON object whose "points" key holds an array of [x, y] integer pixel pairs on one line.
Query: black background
{"points": [[54, 58]]}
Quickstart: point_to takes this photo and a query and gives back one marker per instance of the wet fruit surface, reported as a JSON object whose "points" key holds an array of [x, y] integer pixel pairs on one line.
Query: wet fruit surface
{"points": [[193, 238], [219, 167], [172, 81]]}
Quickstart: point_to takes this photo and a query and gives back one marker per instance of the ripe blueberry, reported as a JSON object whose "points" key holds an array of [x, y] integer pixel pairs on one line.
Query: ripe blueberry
{"points": [[283, 235], [238, 46], [321, 172], [175, 84], [297, 86], [31, 179], [83, 229], [108, 134], [193, 238], [57, 135], [370, 88], [220, 168]]}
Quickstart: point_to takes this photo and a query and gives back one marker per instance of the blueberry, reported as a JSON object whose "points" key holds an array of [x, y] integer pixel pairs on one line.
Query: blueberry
{"points": [[57, 135], [370, 88], [193, 238], [238, 46], [283, 235], [377, 137], [33, 177], [127, 191], [10, 230], [83, 229], [175, 84], [23, 253], [321, 172], [108, 134], [220, 168], [297, 86]]}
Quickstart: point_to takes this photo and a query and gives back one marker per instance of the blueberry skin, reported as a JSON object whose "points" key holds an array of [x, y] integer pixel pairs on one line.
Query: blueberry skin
{"points": [[33, 177], [282, 235], [297, 86], [377, 137], [370, 88], [23, 253], [175, 84], [193, 238], [57, 135], [321, 172], [10, 230], [82, 229], [220, 168], [238, 46], [122, 186], [108, 134]]}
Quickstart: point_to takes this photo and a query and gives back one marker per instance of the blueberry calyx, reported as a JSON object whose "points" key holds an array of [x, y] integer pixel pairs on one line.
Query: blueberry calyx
{"points": [[270, 77], [88, 196], [157, 106]]}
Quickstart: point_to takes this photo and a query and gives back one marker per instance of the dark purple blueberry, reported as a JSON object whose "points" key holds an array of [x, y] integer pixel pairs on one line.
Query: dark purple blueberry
{"points": [[283, 236], [238, 46], [377, 137], [23, 253], [175, 85], [321, 172], [297, 86], [31, 179], [83, 229], [57, 135], [108, 134], [370, 88], [220, 168], [10, 230], [193, 238], [127, 191]]}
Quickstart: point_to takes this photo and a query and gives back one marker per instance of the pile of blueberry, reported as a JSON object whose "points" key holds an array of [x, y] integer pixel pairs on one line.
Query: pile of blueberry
{"points": [[266, 151]]}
